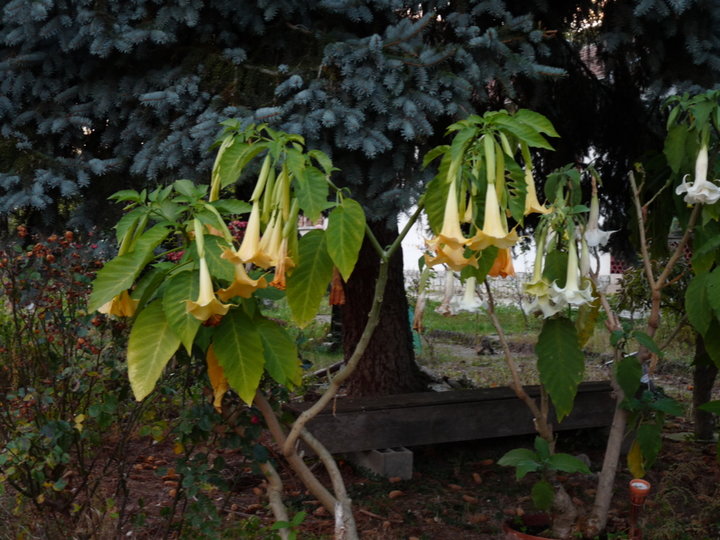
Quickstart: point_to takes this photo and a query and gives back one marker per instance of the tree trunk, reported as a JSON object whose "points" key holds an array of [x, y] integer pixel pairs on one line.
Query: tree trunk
{"points": [[704, 373], [388, 365]]}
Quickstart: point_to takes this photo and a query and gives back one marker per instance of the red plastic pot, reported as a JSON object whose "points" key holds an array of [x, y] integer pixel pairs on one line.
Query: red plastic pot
{"points": [[531, 521]]}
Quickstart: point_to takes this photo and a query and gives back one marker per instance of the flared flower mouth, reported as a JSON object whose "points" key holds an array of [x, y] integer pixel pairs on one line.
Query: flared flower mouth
{"points": [[594, 237], [207, 305], [283, 264], [494, 231], [243, 285], [454, 258], [701, 190], [572, 294], [532, 204], [121, 305]]}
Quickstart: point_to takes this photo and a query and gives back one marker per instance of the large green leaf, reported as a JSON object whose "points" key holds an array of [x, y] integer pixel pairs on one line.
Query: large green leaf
{"points": [[567, 463], [560, 363], [232, 158], [542, 494], [649, 438], [711, 407], [435, 193], [536, 121], [628, 373], [555, 269], [120, 273], [674, 149], [308, 283], [311, 189], [345, 233], [281, 355], [697, 304], [239, 351], [524, 132], [151, 344], [712, 341], [179, 288], [214, 246], [587, 317], [713, 290]]}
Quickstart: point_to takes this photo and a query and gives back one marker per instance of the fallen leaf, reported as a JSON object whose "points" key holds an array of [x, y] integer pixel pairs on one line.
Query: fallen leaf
{"points": [[454, 487], [477, 478], [470, 499], [395, 493]]}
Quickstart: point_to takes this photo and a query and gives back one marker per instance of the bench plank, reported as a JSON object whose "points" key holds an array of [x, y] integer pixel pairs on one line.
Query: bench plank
{"points": [[357, 424]]}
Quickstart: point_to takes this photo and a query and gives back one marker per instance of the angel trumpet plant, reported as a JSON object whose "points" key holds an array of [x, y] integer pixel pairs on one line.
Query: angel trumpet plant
{"points": [[532, 204], [701, 191], [539, 287]]}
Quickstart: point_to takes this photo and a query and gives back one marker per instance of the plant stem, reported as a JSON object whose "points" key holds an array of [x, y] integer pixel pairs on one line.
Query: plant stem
{"points": [[274, 491], [540, 417]]}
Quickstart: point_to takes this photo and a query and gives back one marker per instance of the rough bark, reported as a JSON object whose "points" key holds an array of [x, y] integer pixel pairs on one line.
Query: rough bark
{"points": [[704, 374], [388, 365]]}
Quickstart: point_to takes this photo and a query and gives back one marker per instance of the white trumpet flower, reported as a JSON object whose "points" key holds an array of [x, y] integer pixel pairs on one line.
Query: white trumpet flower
{"points": [[700, 191]]}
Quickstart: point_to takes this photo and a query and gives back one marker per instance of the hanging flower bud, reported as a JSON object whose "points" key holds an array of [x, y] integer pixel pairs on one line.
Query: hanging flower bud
{"points": [[337, 290]]}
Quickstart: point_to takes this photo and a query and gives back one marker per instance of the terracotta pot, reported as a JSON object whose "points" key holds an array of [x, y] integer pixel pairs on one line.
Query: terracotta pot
{"points": [[530, 520]]}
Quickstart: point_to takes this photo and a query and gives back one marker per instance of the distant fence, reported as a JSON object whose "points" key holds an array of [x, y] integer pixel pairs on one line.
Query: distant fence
{"points": [[505, 290]]}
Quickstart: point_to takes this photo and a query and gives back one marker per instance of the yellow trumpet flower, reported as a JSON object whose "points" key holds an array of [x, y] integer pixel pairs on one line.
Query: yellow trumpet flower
{"points": [[120, 306], [494, 231], [217, 378], [242, 285], [450, 235], [282, 264], [503, 265], [207, 304], [532, 204], [450, 243], [453, 257]]}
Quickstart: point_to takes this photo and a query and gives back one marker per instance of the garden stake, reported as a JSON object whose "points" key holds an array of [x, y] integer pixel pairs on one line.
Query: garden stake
{"points": [[639, 490]]}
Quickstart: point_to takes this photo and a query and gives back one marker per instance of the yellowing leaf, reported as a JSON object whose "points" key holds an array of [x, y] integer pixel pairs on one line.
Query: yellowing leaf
{"points": [[635, 461], [217, 378]]}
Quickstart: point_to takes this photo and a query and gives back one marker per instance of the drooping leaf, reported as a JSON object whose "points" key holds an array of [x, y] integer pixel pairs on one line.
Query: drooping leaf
{"points": [[537, 121], [542, 448], [646, 341], [120, 273], [649, 439], [239, 351], [232, 206], [674, 149], [567, 463], [712, 286], [485, 262], [712, 341], [308, 283], [234, 154], [345, 233], [555, 269], [218, 381], [587, 318], [517, 455], [311, 189], [635, 460], [628, 373], [524, 132], [281, 355], [542, 494], [697, 305], [179, 288], [560, 363], [214, 246], [711, 407], [434, 198], [150, 345]]}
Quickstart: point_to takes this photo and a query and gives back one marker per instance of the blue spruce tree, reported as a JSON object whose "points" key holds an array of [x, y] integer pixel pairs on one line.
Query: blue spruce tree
{"points": [[99, 96]]}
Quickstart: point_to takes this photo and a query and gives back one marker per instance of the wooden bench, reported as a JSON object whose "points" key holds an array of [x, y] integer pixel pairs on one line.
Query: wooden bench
{"points": [[359, 424]]}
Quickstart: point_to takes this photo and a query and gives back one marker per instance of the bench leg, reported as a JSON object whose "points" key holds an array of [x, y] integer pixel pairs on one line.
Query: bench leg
{"points": [[387, 462]]}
